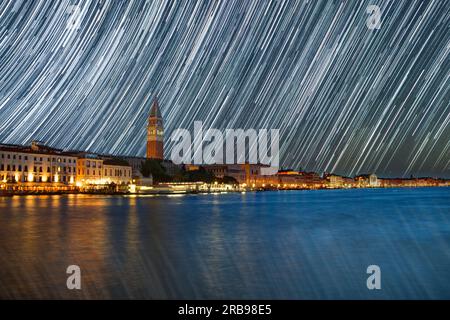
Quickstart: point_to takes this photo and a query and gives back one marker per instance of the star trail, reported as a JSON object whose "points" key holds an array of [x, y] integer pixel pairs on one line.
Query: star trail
{"points": [[347, 99]]}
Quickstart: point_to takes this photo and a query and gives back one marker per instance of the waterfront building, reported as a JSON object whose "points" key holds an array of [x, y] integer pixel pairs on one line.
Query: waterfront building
{"points": [[36, 164], [251, 176], [117, 171], [413, 182], [312, 180], [373, 180], [288, 179], [155, 133], [300, 180], [248, 174], [367, 180], [338, 181], [96, 171], [89, 168], [348, 182], [335, 181]]}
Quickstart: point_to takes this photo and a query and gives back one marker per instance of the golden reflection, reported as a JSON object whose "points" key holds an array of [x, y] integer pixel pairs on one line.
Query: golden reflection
{"points": [[132, 230]]}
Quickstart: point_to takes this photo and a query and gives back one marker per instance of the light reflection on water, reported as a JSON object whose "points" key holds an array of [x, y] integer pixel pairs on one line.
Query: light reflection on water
{"points": [[293, 245]]}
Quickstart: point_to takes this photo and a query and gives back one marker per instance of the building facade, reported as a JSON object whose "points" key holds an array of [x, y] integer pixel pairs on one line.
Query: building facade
{"points": [[367, 181], [117, 171], [42, 168], [155, 133], [36, 164], [89, 168], [96, 171]]}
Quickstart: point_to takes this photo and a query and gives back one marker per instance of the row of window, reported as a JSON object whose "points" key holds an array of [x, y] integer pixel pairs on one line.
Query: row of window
{"points": [[35, 168], [88, 172], [19, 157], [117, 172], [35, 179], [92, 164]]}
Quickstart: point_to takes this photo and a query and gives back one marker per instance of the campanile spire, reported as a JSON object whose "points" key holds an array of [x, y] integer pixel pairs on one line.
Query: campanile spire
{"points": [[155, 133]]}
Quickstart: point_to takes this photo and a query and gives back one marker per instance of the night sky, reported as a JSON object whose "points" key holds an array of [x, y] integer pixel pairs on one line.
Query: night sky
{"points": [[347, 99]]}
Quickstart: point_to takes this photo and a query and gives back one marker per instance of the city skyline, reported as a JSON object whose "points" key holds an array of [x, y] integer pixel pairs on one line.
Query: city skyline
{"points": [[347, 99]]}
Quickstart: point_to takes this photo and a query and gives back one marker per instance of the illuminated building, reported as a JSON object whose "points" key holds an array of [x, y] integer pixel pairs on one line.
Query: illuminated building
{"points": [[89, 168], [39, 168], [335, 181], [155, 133], [96, 171], [117, 171], [367, 180], [36, 164], [373, 180], [249, 174]]}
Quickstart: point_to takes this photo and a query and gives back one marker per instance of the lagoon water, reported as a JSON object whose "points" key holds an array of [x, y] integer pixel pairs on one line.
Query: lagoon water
{"points": [[266, 245]]}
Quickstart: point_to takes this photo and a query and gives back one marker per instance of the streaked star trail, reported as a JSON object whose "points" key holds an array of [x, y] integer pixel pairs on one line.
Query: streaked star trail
{"points": [[81, 75]]}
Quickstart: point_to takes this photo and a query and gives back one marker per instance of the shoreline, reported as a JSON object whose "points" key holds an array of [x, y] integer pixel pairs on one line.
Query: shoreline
{"points": [[7, 194]]}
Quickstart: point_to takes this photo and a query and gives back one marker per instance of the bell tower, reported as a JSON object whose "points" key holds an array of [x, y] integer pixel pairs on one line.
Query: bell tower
{"points": [[155, 133]]}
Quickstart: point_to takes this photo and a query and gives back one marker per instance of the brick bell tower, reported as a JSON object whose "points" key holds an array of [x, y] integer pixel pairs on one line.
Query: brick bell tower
{"points": [[155, 133]]}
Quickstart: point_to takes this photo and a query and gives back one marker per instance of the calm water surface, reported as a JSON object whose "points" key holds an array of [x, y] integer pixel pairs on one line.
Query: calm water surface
{"points": [[281, 245]]}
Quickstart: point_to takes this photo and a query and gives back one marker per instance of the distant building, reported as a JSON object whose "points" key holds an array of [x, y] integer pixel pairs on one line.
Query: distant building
{"points": [[337, 181], [155, 133], [249, 174], [367, 180], [373, 180]]}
